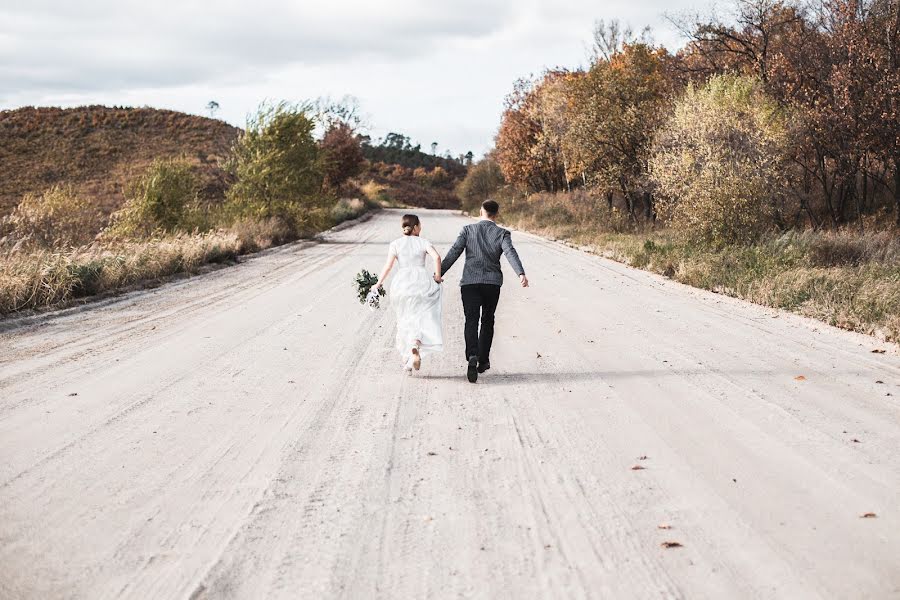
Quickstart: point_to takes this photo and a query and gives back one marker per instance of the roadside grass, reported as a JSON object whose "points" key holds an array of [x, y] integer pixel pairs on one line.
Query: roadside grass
{"points": [[847, 278], [39, 278]]}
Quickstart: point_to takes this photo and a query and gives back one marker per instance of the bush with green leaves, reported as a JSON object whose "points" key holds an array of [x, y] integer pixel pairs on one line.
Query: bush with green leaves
{"points": [[276, 166], [58, 218], [482, 180], [163, 199], [718, 162]]}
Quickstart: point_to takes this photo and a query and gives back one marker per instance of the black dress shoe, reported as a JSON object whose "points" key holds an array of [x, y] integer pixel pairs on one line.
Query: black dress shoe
{"points": [[482, 367], [472, 371]]}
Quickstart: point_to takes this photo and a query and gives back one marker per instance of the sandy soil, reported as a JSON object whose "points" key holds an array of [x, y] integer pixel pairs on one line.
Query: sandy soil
{"points": [[249, 434]]}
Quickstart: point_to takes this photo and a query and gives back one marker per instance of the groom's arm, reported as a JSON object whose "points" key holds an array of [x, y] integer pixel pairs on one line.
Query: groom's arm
{"points": [[458, 246], [511, 255]]}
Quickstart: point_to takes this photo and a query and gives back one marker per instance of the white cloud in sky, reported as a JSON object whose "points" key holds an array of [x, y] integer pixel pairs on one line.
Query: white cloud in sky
{"points": [[436, 71]]}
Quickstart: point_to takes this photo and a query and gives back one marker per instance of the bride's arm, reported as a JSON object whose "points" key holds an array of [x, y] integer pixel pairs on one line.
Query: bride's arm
{"points": [[388, 265], [437, 263]]}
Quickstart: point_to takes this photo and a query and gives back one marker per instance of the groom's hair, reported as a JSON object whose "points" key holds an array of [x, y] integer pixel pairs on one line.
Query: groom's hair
{"points": [[490, 207]]}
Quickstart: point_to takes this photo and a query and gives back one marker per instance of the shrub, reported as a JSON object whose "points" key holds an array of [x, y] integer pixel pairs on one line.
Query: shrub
{"points": [[276, 164], [346, 209], [57, 218], [718, 161], [482, 180], [163, 199]]}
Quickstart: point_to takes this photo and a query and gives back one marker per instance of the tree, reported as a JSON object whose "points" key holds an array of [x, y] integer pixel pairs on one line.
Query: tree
{"points": [[483, 179], [719, 161], [213, 108], [526, 149], [346, 111], [878, 68], [340, 154], [276, 165], [760, 31], [612, 37], [618, 105]]}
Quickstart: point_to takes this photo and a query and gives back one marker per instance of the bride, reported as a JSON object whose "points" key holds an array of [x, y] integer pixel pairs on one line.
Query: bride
{"points": [[415, 294]]}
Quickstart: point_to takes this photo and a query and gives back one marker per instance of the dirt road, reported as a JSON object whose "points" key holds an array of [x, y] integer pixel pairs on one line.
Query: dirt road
{"points": [[249, 434]]}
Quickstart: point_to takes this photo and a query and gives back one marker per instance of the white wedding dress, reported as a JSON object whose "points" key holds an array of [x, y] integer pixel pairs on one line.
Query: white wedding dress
{"points": [[416, 297]]}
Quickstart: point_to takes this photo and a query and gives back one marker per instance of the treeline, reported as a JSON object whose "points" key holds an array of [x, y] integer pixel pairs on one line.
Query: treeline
{"points": [[786, 116], [398, 149]]}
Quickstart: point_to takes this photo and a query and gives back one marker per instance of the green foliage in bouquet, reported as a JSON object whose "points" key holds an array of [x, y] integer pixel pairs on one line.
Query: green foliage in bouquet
{"points": [[364, 283]]}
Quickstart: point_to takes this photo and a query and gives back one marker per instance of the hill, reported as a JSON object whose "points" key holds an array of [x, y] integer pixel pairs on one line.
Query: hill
{"points": [[98, 149], [407, 176]]}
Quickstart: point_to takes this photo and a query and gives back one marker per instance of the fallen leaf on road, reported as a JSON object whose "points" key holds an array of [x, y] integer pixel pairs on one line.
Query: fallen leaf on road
{"points": [[664, 526], [671, 544], [538, 354], [799, 378], [73, 394], [878, 351], [642, 457], [868, 515], [432, 454], [856, 441], [879, 381], [637, 468]]}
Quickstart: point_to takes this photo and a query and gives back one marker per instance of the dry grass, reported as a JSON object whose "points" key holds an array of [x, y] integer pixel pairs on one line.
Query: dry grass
{"points": [[54, 278], [45, 278], [847, 278]]}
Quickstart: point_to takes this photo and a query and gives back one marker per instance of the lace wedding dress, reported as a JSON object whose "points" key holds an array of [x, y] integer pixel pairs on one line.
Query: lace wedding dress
{"points": [[416, 297]]}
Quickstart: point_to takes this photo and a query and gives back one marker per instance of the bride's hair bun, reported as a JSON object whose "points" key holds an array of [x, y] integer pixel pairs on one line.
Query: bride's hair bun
{"points": [[409, 223]]}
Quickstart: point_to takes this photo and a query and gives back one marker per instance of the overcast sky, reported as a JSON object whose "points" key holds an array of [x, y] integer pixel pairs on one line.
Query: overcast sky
{"points": [[436, 71]]}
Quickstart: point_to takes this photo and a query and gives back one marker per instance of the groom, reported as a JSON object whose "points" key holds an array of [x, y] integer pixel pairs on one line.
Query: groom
{"points": [[483, 242]]}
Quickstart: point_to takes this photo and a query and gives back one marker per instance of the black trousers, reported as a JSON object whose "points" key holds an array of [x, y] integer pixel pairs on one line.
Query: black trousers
{"points": [[480, 301]]}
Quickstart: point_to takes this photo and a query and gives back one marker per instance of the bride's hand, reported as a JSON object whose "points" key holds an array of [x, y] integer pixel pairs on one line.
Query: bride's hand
{"points": [[438, 279]]}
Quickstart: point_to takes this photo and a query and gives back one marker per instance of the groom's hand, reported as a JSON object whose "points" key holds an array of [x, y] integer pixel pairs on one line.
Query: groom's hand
{"points": [[524, 280]]}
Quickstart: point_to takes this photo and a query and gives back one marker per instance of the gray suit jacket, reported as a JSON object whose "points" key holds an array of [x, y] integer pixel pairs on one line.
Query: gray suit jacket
{"points": [[483, 242]]}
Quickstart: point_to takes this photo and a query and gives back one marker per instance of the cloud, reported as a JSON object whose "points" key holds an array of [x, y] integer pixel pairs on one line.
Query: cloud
{"points": [[102, 45]]}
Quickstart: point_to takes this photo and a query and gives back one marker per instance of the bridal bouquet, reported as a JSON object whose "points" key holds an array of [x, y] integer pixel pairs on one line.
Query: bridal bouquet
{"points": [[364, 291]]}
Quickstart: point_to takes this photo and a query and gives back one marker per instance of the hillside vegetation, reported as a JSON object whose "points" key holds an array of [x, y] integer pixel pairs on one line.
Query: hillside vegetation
{"points": [[97, 199], [399, 173], [98, 150]]}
